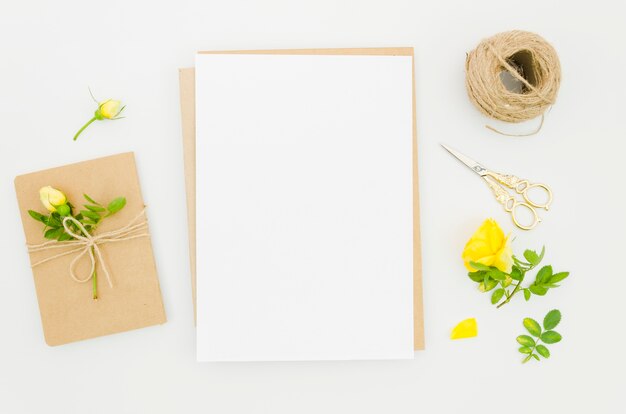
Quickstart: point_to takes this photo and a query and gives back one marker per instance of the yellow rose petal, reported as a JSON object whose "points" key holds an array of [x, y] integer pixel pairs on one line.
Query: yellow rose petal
{"points": [[489, 246], [465, 329], [110, 108], [504, 258], [51, 198]]}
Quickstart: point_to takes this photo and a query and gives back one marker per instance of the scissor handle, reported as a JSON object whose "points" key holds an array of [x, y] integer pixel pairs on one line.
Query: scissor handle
{"points": [[522, 186], [511, 205], [545, 205], [536, 219]]}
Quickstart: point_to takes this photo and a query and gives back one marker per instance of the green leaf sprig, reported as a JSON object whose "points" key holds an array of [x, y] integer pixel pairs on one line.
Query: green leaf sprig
{"points": [[532, 347], [90, 217], [507, 285]]}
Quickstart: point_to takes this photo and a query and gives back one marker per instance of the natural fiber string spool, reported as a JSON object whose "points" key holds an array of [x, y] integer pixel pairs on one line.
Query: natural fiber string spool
{"points": [[525, 57]]}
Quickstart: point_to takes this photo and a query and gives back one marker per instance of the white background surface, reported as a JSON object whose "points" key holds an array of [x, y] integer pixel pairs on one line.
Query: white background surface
{"points": [[305, 231], [51, 51]]}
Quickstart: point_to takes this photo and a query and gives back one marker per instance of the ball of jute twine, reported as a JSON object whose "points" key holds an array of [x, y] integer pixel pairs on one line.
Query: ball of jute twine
{"points": [[529, 59]]}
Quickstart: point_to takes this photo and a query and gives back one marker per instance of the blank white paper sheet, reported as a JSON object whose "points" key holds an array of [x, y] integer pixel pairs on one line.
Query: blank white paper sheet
{"points": [[304, 207]]}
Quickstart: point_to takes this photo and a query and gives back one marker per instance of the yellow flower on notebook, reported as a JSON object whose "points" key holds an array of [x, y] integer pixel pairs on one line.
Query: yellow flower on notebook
{"points": [[54, 200], [489, 246], [63, 224]]}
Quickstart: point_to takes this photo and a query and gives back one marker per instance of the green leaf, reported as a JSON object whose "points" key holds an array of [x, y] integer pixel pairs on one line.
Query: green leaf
{"points": [[489, 285], [53, 234], [526, 340], [54, 220], [475, 265], [532, 326], [532, 257], [552, 319], [94, 208], [538, 290], [116, 205], [527, 294], [477, 276], [37, 216], [551, 337], [516, 273], [90, 214], [535, 356], [557, 277], [544, 274], [496, 296], [543, 351], [525, 360], [64, 237], [497, 274], [91, 200], [543, 251], [525, 350]]}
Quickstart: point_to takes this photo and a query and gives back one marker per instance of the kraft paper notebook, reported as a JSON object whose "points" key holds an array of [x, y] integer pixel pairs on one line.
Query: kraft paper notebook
{"points": [[68, 311], [187, 105]]}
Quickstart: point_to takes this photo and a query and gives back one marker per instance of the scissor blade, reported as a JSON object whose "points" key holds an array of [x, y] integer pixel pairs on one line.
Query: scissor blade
{"points": [[473, 165]]}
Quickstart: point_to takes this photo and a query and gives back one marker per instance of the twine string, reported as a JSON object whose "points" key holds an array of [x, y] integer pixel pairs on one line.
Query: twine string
{"points": [[89, 244], [483, 68], [515, 73]]}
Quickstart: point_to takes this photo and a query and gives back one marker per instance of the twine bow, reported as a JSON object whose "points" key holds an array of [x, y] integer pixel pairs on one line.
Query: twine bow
{"points": [[89, 244]]}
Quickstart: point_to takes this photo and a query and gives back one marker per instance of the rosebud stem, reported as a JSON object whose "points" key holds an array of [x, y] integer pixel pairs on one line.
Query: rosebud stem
{"points": [[83, 128], [508, 299]]}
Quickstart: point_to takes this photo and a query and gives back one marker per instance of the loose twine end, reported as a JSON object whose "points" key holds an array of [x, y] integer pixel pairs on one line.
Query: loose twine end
{"points": [[536, 130]]}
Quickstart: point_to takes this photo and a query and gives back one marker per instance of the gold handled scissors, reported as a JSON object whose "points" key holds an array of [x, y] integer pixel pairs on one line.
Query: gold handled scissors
{"points": [[497, 182]]}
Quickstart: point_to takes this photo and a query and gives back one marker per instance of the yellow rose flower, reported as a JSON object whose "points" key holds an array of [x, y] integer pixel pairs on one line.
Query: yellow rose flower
{"points": [[489, 246], [109, 109], [51, 198]]}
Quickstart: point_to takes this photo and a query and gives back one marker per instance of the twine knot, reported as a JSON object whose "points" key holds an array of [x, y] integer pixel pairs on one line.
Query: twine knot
{"points": [[89, 244]]}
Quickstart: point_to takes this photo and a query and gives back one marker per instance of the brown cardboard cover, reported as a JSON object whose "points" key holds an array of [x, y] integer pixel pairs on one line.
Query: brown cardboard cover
{"points": [[68, 311], [188, 119]]}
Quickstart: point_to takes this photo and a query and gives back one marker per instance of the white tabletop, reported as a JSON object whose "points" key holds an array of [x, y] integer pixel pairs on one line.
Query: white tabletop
{"points": [[51, 51]]}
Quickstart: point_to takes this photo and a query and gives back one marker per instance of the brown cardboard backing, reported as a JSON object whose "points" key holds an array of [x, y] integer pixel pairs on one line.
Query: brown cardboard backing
{"points": [[68, 311], [188, 118]]}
